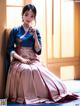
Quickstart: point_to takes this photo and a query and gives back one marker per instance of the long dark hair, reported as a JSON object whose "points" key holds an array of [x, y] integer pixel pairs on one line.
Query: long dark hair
{"points": [[29, 7]]}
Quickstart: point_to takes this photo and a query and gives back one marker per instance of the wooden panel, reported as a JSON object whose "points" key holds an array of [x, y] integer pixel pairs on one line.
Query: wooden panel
{"points": [[2, 43], [55, 69], [55, 66], [77, 29], [27, 1]]}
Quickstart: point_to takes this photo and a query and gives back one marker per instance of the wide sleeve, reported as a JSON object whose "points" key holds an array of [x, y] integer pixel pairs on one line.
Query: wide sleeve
{"points": [[9, 49], [39, 39], [11, 41]]}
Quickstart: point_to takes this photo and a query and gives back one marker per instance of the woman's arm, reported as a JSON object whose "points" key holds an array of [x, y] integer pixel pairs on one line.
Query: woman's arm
{"points": [[37, 44], [11, 49]]}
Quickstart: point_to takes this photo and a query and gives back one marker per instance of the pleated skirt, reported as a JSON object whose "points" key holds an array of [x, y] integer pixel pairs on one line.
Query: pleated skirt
{"points": [[32, 83]]}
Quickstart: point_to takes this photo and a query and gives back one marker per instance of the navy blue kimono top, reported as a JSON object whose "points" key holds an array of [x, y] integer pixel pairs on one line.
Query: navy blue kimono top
{"points": [[26, 41]]}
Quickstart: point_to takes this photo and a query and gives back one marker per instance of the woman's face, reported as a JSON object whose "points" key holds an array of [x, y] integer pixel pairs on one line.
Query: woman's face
{"points": [[28, 17]]}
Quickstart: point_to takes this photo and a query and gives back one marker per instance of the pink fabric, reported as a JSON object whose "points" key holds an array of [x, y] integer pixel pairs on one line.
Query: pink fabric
{"points": [[33, 83]]}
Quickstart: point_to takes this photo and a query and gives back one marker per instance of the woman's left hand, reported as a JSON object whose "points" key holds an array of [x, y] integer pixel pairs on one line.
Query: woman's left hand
{"points": [[33, 32]]}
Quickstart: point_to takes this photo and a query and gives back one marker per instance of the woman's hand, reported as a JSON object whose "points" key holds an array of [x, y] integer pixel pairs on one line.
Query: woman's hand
{"points": [[25, 61], [33, 32]]}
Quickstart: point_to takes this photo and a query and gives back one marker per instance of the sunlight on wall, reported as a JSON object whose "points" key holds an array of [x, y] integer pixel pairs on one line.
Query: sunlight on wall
{"points": [[49, 28], [14, 2], [67, 28], [40, 18], [13, 10], [56, 40], [14, 17], [63, 28], [67, 72]]}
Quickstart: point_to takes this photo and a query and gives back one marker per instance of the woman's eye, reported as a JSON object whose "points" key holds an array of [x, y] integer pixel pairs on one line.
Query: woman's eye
{"points": [[32, 16], [26, 14]]}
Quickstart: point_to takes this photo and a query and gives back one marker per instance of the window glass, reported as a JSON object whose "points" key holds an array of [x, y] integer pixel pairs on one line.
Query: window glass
{"points": [[14, 17], [67, 29], [14, 2], [67, 72]]}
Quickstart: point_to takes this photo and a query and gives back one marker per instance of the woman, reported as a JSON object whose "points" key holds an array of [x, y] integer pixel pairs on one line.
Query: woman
{"points": [[28, 80]]}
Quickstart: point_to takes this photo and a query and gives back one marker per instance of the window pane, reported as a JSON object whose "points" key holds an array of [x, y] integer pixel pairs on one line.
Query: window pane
{"points": [[67, 29], [14, 17], [67, 72], [56, 23], [49, 28], [15, 2]]}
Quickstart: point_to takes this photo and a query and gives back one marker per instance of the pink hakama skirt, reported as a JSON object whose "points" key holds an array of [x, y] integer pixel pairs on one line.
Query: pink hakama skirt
{"points": [[32, 83]]}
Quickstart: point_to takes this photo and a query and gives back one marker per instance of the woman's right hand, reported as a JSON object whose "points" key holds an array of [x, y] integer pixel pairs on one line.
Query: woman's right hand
{"points": [[25, 61]]}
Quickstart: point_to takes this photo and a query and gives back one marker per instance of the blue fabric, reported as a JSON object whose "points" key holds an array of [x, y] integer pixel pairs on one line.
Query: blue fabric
{"points": [[26, 41]]}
